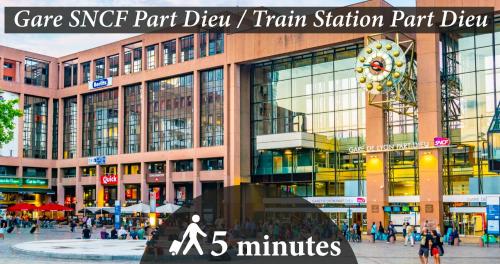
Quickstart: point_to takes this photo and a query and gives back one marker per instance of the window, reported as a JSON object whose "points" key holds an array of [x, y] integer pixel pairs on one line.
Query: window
{"points": [[156, 167], [203, 44], [114, 65], [128, 61], [69, 134], [212, 108], [132, 169], [137, 67], [187, 48], [88, 171], [34, 172], [212, 164], [7, 78], [215, 43], [69, 172], [183, 165], [8, 171], [70, 73], [35, 127], [86, 72], [100, 69], [55, 129], [132, 119], [100, 123], [151, 57], [170, 113], [169, 52], [36, 72], [8, 65]]}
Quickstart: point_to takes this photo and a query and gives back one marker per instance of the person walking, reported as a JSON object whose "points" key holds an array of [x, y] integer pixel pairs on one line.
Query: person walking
{"points": [[405, 226], [425, 244], [436, 247], [381, 230], [410, 236], [373, 231], [391, 233]]}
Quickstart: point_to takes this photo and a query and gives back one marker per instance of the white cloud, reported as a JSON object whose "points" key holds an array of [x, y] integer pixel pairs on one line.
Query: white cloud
{"points": [[62, 44]]}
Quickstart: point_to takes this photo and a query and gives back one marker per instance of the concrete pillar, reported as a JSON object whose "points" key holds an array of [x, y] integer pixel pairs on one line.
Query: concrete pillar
{"points": [[121, 62], [159, 61], [79, 189], [99, 190], [1, 68], [60, 77], [229, 107], [196, 43], [144, 117], [196, 109], [121, 187], [429, 126], [178, 49], [377, 185], [21, 71], [169, 184], [121, 119], [196, 178], [144, 184], [60, 187], [242, 138]]}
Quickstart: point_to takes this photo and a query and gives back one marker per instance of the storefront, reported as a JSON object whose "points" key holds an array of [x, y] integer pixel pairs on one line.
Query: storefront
{"points": [[132, 194], [183, 193], [27, 190]]}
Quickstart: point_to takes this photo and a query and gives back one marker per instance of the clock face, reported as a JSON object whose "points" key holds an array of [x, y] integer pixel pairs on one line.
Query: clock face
{"points": [[380, 66]]}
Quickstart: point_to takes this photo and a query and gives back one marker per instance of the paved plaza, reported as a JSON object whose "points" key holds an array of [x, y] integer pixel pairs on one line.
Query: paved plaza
{"points": [[367, 253]]}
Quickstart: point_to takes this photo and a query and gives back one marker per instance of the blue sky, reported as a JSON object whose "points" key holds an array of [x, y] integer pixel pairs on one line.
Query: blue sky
{"points": [[62, 44]]}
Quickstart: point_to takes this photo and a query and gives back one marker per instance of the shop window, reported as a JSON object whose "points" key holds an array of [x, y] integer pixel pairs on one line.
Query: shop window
{"points": [[212, 164], [183, 165], [8, 171], [131, 169]]}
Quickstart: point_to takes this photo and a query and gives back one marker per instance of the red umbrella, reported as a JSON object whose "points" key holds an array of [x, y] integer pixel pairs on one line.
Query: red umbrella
{"points": [[21, 207], [54, 207]]}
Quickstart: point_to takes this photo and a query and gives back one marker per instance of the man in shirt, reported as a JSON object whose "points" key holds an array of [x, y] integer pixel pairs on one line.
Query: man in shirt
{"points": [[425, 245]]}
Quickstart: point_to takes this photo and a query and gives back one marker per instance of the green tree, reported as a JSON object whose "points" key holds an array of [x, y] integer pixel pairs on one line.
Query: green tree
{"points": [[8, 112]]}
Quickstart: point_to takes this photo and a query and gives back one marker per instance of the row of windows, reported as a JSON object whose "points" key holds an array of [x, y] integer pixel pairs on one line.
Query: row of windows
{"points": [[133, 57], [35, 127]]}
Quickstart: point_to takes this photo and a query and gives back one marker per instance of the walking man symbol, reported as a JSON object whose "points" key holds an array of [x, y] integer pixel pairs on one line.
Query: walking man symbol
{"points": [[193, 230]]}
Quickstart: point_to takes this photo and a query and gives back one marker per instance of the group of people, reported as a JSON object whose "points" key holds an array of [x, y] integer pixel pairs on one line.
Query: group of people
{"points": [[134, 233], [352, 233], [390, 233]]}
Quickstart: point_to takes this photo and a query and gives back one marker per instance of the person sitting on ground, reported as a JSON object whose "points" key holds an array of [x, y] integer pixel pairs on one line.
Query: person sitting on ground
{"points": [[122, 233], [140, 233], [133, 234], [86, 233], [104, 233], [114, 233]]}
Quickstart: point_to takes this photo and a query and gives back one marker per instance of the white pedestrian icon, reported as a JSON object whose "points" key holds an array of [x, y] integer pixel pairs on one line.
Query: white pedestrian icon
{"points": [[193, 230]]}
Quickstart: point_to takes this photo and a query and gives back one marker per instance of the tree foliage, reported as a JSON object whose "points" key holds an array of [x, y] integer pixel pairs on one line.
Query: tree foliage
{"points": [[8, 112]]}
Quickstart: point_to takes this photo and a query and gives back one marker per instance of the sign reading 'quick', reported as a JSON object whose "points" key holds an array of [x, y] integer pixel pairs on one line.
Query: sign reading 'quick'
{"points": [[101, 83]]}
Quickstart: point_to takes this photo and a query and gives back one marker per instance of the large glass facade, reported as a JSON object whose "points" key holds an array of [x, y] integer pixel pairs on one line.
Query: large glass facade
{"points": [[132, 122], [69, 134], [170, 113], [470, 71], [35, 127], [36, 72], [100, 123], [316, 94], [212, 108]]}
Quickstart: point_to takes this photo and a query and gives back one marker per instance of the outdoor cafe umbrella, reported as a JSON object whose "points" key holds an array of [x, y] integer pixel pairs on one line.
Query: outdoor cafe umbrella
{"points": [[168, 208], [21, 207], [53, 207], [136, 208]]}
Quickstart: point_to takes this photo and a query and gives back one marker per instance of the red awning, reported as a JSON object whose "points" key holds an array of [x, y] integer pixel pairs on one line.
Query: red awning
{"points": [[54, 207], [21, 207]]}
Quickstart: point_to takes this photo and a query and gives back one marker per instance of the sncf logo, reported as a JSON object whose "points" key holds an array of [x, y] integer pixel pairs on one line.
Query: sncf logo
{"points": [[263, 247], [441, 141]]}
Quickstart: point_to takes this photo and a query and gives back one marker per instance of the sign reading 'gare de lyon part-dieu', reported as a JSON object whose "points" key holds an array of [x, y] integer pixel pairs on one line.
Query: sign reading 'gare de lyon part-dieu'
{"points": [[439, 142]]}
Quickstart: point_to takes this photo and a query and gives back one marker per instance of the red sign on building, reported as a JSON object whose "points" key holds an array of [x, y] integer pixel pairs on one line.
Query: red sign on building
{"points": [[109, 179]]}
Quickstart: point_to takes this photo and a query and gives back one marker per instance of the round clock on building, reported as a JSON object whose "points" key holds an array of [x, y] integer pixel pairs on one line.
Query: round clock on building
{"points": [[380, 66]]}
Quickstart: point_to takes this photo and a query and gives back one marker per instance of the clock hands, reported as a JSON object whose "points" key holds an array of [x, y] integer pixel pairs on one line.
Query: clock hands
{"points": [[377, 66]]}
